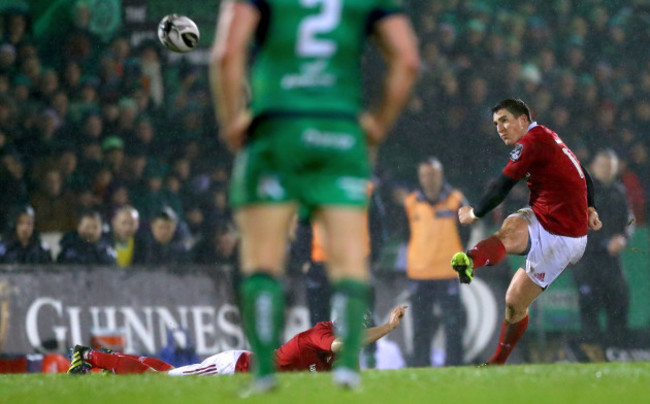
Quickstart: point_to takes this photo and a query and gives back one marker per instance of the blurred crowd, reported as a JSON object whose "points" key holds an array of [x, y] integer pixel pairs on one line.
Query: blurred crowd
{"points": [[93, 130], [92, 126]]}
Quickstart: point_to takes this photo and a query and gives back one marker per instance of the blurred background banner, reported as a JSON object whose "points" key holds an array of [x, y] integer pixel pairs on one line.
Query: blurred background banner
{"points": [[51, 308], [64, 304]]}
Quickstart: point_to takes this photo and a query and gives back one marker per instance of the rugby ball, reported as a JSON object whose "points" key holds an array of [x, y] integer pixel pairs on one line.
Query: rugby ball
{"points": [[178, 33]]}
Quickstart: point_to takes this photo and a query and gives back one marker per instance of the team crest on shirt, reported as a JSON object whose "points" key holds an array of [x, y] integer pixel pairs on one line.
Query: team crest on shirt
{"points": [[516, 152]]}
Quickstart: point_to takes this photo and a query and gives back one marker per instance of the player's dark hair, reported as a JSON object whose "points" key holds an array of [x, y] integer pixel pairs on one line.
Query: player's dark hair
{"points": [[515, 106]]}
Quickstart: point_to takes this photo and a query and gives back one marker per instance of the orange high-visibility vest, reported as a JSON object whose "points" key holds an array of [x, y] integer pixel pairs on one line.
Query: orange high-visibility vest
{"points": [[434, 236]]}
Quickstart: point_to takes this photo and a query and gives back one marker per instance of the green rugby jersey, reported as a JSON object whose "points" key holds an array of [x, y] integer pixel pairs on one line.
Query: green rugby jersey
{"points": [[308, 54]]}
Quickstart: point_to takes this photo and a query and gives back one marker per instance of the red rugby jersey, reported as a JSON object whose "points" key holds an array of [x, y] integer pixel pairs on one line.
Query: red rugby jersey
{"points": [[558, 190], [310, 350]]}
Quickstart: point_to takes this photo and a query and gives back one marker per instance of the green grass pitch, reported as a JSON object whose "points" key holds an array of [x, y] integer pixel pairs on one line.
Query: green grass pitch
{"points": [[619, 383]]}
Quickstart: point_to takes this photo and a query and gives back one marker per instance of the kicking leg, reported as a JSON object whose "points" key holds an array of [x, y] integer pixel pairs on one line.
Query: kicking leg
{"points": [[512, 238]]}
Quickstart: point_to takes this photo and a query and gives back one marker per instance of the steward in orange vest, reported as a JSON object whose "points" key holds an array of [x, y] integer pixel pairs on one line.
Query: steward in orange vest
{"points": [[435, 236]]}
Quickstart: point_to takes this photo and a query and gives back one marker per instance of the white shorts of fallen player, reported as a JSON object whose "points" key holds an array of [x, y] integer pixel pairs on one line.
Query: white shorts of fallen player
{"points": [[220, 364], [549, 253]]}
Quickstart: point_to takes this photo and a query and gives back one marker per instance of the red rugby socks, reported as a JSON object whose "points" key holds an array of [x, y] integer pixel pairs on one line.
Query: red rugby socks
{"points": [[510, 334], [488, 252], [125, 364]]}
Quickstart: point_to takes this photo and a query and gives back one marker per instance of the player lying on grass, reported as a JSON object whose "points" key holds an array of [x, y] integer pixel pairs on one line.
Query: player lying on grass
{"points": [[313, 350]]}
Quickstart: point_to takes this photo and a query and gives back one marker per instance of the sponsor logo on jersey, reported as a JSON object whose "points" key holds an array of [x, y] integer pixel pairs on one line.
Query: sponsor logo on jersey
{"points": [[330, 140], [516, 152], [540, 276], [311, 74], [312, 367]]}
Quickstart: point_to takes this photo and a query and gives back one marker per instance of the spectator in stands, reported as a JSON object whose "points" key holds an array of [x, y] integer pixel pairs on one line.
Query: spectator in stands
{"points": [[91, 126], [7, 113], [67, 162], [86, 245], [218, 249], [124, 226], [599, 275], [88, 98], [90, 158], [134, 175], [12, 177], [7, 57], [113, 149], [144, 140], [172, 194], [110, 114], [116, 197], [102, 179], [162, 246], [150, 199], [128, 110], [17, 28], [196, 222], [47, 85], [71, 79], [54, 207], [22, 245]]}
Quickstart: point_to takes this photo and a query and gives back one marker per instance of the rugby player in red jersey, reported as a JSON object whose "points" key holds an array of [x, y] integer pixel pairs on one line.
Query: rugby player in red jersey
{"points": [[313, 350], [551, 231]]}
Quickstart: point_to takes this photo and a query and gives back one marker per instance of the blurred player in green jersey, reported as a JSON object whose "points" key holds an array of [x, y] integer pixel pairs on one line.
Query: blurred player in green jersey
{"points": [[303, 140]]}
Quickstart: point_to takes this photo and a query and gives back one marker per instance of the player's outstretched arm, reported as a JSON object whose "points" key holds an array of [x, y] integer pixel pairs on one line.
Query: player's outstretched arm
{"points": [[375, 333]]}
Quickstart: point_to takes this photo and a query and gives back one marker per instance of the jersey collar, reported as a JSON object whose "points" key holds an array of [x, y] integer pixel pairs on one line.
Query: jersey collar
{"points": [[531, 126]]}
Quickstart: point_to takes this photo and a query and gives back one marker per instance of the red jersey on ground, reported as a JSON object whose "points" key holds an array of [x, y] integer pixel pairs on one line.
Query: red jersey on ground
{"points": [[558, 190], [310, 350]]}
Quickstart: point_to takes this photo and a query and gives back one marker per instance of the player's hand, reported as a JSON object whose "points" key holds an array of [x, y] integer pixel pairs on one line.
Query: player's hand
{"points": [[234, 132], [594, 221], [616, 245], [375, 131], [466, 215], [396, 316]]}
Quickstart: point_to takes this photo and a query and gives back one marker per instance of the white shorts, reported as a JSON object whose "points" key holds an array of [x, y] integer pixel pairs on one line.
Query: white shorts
{"points": [[220, 364], [549, 253]]}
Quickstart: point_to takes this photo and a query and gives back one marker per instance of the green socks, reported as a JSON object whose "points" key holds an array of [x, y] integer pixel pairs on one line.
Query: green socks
{"points": [[263, 317], [349, 303]]}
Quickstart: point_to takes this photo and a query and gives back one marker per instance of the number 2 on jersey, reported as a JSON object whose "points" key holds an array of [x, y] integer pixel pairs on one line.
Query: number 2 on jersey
{"points": [[326, 21]]}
